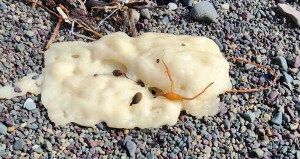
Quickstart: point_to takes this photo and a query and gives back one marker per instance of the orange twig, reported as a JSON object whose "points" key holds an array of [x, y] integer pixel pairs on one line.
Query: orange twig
{"points": [[55, 33], [253, 89]]}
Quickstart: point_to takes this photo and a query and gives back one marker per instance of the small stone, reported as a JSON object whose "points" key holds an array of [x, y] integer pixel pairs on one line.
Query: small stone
{"points": [[272, 96], [204, 11], [266, 117], [20, 47], [3, 129], [165, 20], [151, 156], [48, 145], [249, 116], [29, 33], [131, 147], [277, 118], [281, 61], [17, 90], [290, 12], [295, 62], [145, 13], [11, 129], [279, 1], [257, 153], [188, 2], [1, 107], [172, 6], [294, 126], [225, 6], [288, 78], [298, 154], [2, 6], [29, 104], [19, 144], [246, 16]]}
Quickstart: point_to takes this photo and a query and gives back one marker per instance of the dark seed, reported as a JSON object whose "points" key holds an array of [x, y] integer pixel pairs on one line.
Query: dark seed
{"points": [[183, 44], [157, 60], [136, 98], [117, 73], [155, 90], [141, 83]]}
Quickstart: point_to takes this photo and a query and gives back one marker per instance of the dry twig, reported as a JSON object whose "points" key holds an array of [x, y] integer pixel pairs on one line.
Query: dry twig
{"points": [[55, 33]]}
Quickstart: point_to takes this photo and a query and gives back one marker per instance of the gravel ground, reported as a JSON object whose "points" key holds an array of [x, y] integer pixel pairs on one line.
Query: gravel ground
{"points": [[260, 125]]}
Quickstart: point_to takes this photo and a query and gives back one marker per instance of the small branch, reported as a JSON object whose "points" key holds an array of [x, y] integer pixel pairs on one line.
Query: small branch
{"points": [[55, 33]]}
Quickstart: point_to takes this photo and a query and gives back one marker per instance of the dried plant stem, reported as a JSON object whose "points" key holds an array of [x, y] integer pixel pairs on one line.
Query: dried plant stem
{"points": [[55, 33], [253, 89]]}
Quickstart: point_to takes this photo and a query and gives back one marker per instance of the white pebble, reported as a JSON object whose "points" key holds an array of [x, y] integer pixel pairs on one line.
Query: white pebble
{"points": [[29, 104], [172, 6]]}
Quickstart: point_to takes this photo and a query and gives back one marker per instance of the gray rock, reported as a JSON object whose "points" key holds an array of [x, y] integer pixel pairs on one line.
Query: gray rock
{"points": [[246, 16], [2, 6], [277, 118], [1, 107], [204, 11], [29, 33], [298, 154], [281, 61], [29, 104], [3, 129], [165, 20], [295, 62], [290, 12], [20, 47], [249, 116], [145, 13], [188, 2], [151, 156], [48, 145], [17, 89], [19, 144], [257, 153], [288, 78], [131, 147]]}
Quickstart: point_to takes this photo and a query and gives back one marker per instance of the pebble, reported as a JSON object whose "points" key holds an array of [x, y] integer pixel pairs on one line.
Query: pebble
{"points": [[2, 6], [29, 104], [29, 33], [131, 147], [3, 129], [145, 13], [1, 107], [295, 62], [188, 2], [290, 12], [19, 144], [20, 47], [277, 118], [281, 61], [204, 11], [151, 156], [257, 152], [48, 145], [225, 6], [246, 16], [249, 116], [172, 6], [294, 126], [17, 90]]}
